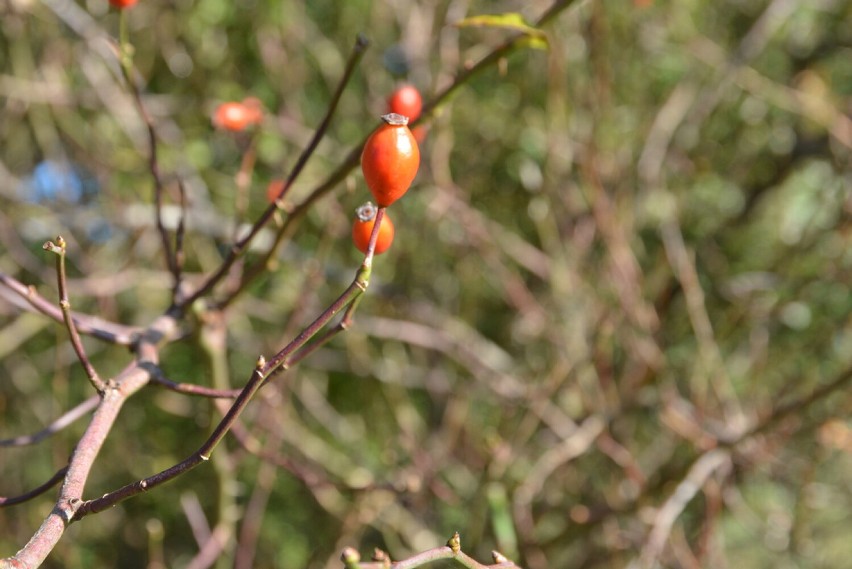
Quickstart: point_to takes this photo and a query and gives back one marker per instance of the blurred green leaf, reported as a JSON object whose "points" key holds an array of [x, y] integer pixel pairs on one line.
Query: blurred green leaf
{"points": [[535, 39]]}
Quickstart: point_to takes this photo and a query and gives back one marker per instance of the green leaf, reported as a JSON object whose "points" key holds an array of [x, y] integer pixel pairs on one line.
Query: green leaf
{"points": [[535, 38]]}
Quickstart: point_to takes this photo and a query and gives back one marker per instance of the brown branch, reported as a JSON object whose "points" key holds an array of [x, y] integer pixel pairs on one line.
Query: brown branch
{"points": [[125, 54], [159, 378], [198, 457], [65, 305]]}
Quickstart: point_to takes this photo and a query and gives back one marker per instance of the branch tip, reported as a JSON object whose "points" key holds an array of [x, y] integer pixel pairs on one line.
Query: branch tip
{"points": [[350, 557]]}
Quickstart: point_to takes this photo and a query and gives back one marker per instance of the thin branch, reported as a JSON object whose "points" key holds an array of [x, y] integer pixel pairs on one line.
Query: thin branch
{"points": [[198, 457], [159, 378], [668, 513], [53, 481], [65, 305], [344, 324], [841, 381], [66, 419], [501, 51], [180, 233], [125, 54]]}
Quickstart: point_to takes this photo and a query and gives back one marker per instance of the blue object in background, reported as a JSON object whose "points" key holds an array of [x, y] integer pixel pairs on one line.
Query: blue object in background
{"points": [[53, 180]]}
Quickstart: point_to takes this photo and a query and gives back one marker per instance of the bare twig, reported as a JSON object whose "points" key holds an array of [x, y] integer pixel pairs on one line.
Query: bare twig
{"points": [[695, 479], [125, 54], [159, 378], [65, 305], [569, 449]]}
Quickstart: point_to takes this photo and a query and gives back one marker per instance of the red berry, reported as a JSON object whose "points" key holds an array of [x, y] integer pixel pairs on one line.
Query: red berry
{"points": [[235, 116], [362, 228], [122, 4], [390, 160], [406, 101], [274, 190]]}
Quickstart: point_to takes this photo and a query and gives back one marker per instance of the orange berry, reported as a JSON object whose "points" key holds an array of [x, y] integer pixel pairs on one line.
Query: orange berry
{"points": [[390, 159], [362, 229], [236, 117], [406, 101]]}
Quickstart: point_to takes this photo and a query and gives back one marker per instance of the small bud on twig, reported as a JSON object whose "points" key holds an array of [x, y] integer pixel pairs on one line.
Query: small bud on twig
{"points": [[350, 557], [454, 543], [381, 556]]}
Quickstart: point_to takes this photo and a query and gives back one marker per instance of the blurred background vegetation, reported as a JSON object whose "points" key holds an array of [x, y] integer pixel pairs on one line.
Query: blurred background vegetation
{"points": [[613, 330]]}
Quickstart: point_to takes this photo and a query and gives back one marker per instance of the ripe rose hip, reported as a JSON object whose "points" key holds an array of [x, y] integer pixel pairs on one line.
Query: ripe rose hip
{"points": [[406, 101], [122, 4], [235, 117], [362, 228], [390, 159]]}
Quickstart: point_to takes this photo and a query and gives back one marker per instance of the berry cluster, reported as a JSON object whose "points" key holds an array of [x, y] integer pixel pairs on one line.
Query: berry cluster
{"points": [[389, 162]]}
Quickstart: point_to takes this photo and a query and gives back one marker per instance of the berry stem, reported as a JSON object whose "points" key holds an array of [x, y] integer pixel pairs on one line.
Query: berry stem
{"points": [[371, 247]]}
